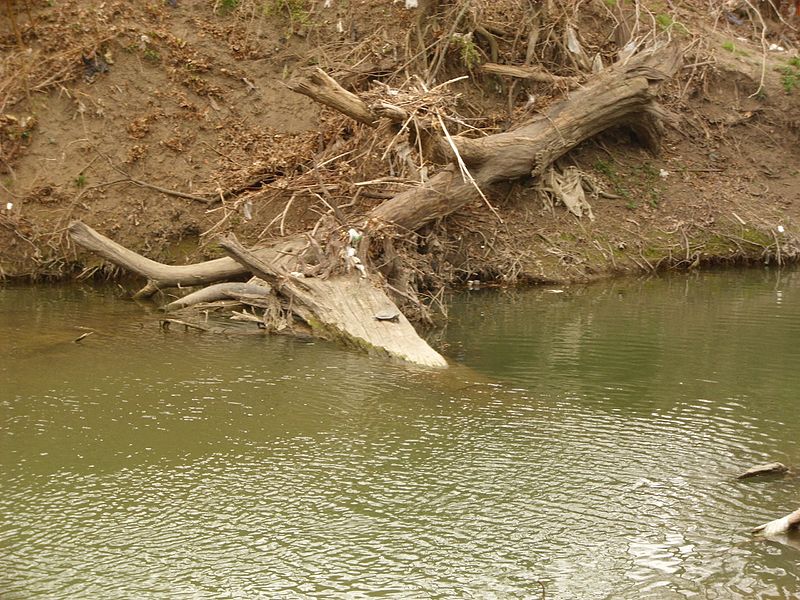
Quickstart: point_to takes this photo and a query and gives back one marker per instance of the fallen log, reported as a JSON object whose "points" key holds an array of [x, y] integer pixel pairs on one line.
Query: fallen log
{"points": [[344, 307], [159, 275], [790, 522], [219, 291], [622, 95], [529, 73]]}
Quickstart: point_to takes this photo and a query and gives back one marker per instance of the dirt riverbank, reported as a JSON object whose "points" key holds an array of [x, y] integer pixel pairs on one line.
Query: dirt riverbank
{"points": [[108, 104]]}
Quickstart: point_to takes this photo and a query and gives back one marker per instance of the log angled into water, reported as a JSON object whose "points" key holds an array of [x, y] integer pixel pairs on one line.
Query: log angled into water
{"points": [[343, 309], [790, 522]]}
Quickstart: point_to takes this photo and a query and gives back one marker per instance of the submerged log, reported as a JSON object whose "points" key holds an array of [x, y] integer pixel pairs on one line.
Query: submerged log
{"points": [[790, 522], [772, 468]]}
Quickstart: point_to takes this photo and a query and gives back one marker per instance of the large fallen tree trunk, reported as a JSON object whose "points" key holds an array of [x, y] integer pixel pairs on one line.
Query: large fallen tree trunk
{"points": [[345, 306]]}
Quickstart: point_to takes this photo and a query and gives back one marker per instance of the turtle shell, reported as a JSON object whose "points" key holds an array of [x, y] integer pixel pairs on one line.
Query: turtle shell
{"points": [[390, 314]]}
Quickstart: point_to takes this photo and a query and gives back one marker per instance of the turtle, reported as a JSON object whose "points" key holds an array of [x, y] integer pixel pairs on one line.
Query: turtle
{"points": [[388, 314]]}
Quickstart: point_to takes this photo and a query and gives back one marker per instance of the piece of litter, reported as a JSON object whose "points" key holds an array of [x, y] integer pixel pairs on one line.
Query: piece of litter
{"points": [[663, 173], [781, 229], [247, 210], [327, 4], [411, 3], [339, 26], [297, 275], [354, 234], [9, 205], [555, 291]]}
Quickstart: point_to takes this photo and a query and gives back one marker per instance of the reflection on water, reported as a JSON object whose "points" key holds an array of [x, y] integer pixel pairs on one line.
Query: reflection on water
{"points": [[587, 442]]}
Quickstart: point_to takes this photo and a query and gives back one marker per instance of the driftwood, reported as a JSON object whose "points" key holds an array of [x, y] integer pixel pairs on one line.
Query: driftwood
{"points": [[161, 276], [772, 468], [220, 291], [343, 307], [790, 522]]}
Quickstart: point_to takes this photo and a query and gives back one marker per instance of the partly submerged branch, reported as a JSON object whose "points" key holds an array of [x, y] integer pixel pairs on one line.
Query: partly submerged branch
{"points": [[790, 522]]}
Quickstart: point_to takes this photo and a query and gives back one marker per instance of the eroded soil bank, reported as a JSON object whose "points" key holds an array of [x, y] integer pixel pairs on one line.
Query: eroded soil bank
{"points": [[107, 105]]}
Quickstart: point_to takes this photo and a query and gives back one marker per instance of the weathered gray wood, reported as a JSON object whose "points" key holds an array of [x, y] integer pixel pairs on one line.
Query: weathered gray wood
{"points": [[326, 90], [790, 522], [219, 291], [343, 308], [772, 468], [161, 276]]}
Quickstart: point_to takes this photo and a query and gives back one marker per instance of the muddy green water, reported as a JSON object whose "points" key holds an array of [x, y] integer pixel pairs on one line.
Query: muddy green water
{"points": [[587, 443]]}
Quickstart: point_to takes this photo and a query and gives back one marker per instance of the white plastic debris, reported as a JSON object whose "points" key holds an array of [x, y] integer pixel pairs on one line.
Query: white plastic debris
{"points": [[531, 102], [597, 63], [339, 26], [781, 229], [663, 173], [776, 48], [247, 210], [572, 41], [627, 51], [411, 3], [350, 251], [327, 4], [355, 235], [297, 275], [9, 205]]}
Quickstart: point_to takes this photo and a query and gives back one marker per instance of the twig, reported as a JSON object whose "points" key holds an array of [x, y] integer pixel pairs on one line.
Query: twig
{"points": [[165, 323], [467, 176], [158, 188]]}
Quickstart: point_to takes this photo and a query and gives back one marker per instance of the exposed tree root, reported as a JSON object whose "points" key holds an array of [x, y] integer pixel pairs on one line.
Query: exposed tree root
{"points": [[334, 279]]}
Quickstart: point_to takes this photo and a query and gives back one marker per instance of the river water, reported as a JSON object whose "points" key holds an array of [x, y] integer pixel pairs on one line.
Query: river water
{"points": [[586, 443]]}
